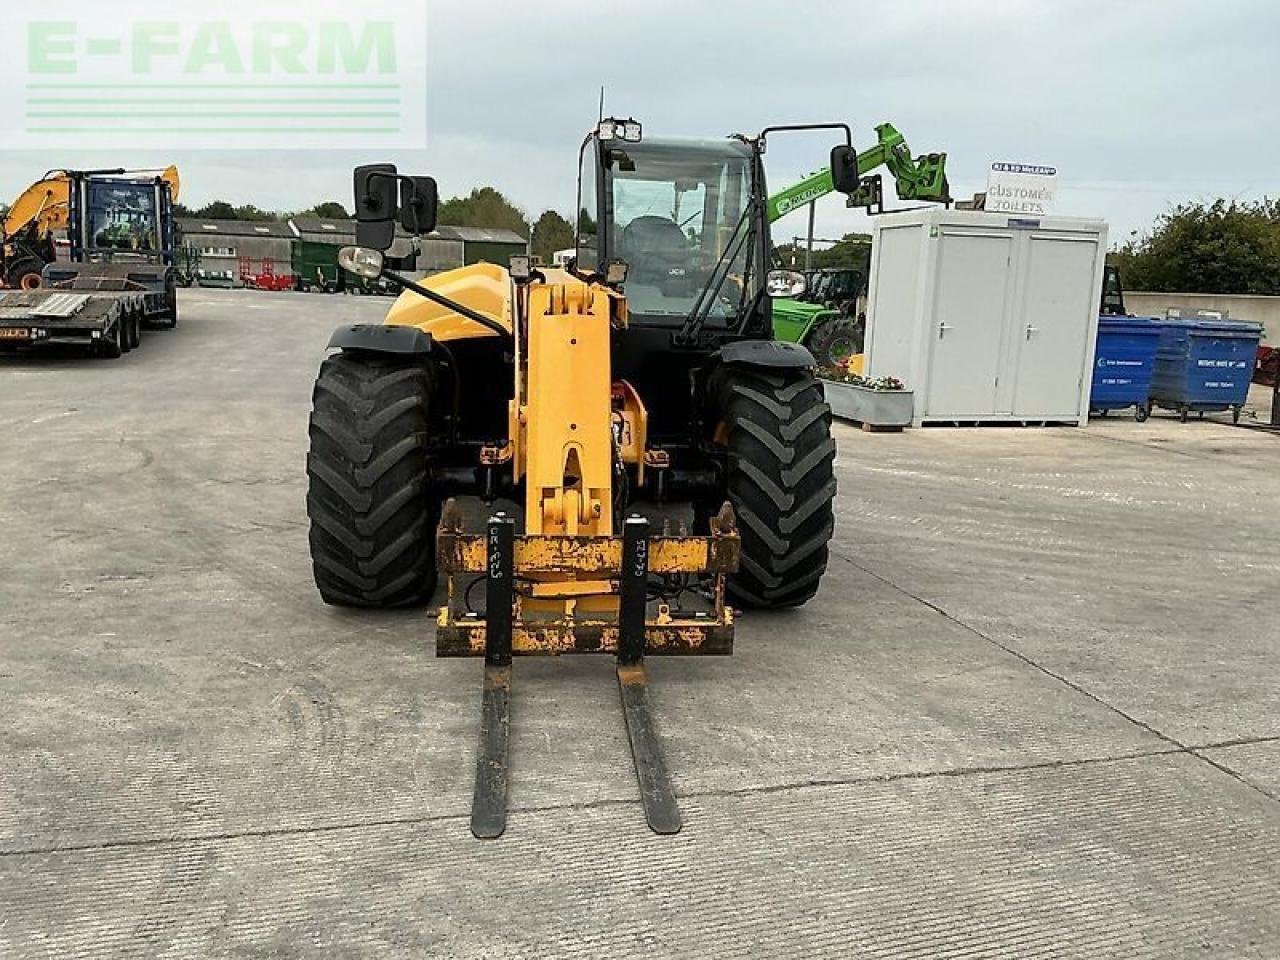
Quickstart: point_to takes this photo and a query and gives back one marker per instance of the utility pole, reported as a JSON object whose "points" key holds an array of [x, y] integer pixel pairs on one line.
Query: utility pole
{"points": [[808, 250]]}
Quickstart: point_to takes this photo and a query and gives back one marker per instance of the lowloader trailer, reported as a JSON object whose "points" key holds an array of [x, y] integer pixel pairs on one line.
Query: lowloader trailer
{"points": [[103, 322], [122, 277]]}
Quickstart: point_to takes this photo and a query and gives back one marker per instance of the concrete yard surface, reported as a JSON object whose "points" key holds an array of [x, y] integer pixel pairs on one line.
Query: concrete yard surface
{"points": [[1033, 712]]}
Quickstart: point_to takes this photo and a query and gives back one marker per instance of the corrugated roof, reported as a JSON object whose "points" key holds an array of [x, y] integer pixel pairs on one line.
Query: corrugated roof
{"points": [[479, 234], [322, 226], [197, 226], [319, 227]]}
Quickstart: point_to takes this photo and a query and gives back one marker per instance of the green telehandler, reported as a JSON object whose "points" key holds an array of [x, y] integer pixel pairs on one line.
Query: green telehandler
{"points": [[829, 325]]}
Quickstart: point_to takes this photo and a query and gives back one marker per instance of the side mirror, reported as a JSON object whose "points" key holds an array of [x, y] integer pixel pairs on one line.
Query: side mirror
{"points": [[376, 205], [785, 283], [383, 196], [844, 168], [419, 204]]}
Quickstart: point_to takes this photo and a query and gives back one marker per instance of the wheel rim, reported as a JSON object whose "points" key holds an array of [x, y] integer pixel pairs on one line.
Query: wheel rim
{"points": [[841, 349], [30, 281]]}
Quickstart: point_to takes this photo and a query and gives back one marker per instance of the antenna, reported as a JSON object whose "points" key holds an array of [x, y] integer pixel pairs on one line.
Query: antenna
{"points": [[601, 117]]}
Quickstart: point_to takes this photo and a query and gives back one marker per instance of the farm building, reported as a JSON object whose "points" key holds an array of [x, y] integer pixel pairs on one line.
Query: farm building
{"points": [[484, 243], [226, 246], [435, 253], [231, 249]]}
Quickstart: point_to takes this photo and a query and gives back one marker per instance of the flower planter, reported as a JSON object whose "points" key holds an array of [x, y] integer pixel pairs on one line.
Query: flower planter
{"points": [[876, 408]]}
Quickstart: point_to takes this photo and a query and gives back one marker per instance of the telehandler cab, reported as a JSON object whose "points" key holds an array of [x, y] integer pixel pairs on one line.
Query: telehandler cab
{"points": [[556, 389]]}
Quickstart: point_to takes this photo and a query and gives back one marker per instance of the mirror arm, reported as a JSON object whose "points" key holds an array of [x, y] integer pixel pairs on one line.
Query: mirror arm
{"points": [[848, 133], [487, 322]]}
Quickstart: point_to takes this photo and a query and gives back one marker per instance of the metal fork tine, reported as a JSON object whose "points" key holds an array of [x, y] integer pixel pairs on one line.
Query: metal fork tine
{"points": [[489, 804], [659, 800]]}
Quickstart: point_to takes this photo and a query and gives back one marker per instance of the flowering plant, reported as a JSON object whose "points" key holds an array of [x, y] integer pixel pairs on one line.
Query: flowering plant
{"points": [[843, 373]]}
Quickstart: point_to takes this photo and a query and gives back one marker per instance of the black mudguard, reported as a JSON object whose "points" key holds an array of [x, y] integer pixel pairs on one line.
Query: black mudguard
{"points": [[382, 338], [769, 354]]}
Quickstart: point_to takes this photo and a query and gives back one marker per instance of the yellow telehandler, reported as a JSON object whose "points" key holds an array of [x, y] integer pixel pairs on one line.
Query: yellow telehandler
{"points": [[644, 370]]}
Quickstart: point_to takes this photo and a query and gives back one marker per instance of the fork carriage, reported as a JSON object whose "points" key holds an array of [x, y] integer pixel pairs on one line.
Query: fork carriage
{"points": [[551, 595]]}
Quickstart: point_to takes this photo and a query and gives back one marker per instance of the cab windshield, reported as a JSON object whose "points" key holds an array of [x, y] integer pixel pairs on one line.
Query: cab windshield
{"points": [[121, 217], [680, 221]]}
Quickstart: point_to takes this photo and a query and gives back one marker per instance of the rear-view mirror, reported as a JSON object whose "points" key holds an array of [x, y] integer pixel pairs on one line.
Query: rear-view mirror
{"points": [[419, 203], [376, 196], [844, 168]]}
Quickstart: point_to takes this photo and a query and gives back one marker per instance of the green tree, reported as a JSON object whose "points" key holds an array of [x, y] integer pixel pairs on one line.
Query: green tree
{"points": [[484, 207], [250, 212], [551, 232], [330, 210], [217, 210], [1226, 247], [852, 250]]}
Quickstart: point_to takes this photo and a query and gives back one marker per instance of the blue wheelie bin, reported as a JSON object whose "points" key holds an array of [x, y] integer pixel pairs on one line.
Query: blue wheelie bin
{"points": [[1124, 364], [1205, 365]]}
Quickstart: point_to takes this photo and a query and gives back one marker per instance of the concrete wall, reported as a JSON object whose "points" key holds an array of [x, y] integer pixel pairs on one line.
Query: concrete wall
{"points": [[1263, 310]]}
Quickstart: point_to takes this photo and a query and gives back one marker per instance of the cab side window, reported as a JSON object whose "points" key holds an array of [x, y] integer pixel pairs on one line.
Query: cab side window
{"points": [[588, 230]]}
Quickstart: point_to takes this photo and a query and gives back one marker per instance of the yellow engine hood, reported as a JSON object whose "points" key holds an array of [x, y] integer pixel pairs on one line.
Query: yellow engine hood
{"points": [[484, 287]]}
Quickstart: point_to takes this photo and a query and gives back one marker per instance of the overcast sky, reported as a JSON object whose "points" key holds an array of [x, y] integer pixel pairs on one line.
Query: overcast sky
{"points": [[1140, 104]]}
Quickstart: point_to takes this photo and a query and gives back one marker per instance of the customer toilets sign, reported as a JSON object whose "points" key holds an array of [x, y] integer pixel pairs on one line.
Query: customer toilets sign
{"points": [[233, 75], [1021, 188]]}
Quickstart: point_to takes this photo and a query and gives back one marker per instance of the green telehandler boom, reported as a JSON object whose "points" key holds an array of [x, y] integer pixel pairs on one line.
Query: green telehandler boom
{"points": [[922, 178], [832, 330]]}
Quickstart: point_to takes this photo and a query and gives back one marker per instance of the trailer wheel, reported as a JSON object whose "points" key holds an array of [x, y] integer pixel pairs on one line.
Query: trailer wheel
{"points": [[776, 428], [170, 318], [135, 330], [370, 500], [111, 346]]}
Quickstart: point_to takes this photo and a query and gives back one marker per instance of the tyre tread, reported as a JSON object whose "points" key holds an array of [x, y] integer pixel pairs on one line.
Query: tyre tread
{"points": [[781, 481], [369, 499]]}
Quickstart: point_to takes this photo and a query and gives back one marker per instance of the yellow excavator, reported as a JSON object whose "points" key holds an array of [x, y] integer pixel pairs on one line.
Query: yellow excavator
{"points": [[40, 212], [643, 370]]}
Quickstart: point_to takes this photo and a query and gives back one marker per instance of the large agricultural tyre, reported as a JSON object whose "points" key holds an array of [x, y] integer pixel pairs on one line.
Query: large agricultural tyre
{"points": [[833, 340], [776, 428], [370, 500], [25, 274]]}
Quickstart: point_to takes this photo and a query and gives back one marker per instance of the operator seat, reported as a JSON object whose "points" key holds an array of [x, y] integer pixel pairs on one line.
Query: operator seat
{"points": [[652, 245]]}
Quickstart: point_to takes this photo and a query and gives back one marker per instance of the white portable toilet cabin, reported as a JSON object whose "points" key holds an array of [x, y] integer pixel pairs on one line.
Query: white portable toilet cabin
{"points": [[987, 317]]}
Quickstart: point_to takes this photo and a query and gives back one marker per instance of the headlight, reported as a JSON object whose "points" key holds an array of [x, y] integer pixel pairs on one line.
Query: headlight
{"points": [[628, 130], [362, 261]]}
